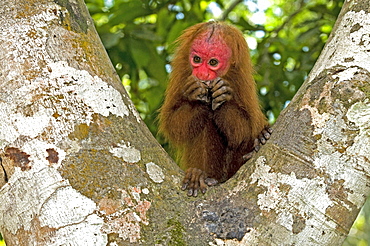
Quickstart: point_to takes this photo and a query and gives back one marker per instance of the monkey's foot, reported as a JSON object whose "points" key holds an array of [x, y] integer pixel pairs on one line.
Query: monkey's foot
{"points": [[195, 180], [260, 140]]}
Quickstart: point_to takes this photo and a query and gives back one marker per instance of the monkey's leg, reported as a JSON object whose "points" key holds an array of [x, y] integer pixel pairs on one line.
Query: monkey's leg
{"points": [[204, 161]]}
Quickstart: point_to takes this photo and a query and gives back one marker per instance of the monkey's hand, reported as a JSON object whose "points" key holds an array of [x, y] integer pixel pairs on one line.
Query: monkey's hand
{"points": [[195, 179], [221, 92], [260, 140], [196, 91]]}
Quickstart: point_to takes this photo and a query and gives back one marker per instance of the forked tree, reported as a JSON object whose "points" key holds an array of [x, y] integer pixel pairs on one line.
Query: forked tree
{"points": [[79, 166]]}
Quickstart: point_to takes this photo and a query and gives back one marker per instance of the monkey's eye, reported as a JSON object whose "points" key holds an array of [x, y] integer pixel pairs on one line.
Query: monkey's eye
{"points": [[213, 62], [197, 59]]}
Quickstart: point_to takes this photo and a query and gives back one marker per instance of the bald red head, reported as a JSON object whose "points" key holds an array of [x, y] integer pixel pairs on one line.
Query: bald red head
{"points": [[209, 56]]}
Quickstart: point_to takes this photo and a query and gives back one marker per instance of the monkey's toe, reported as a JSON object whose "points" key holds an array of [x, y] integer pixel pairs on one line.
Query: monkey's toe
{"points": [[211, 181], [194, 181]]}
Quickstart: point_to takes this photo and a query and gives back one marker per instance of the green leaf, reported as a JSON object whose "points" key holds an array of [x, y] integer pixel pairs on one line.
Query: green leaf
{"points": [[128, 12], [110, 39], [146, 34], [176, 31], [139, 52]]}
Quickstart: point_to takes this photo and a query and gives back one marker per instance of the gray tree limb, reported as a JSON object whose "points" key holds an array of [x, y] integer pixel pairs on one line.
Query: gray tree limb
{"points": [[79, 167]]}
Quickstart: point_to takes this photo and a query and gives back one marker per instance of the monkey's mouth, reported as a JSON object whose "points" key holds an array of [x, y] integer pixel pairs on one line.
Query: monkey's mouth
{"points": [[207, 83]]}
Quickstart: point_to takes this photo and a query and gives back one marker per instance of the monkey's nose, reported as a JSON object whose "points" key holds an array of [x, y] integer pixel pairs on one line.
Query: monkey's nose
{"points": [[206, 76], [203, 76]]}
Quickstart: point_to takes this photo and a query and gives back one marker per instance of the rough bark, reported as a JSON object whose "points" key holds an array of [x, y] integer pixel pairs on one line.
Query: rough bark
{"points": [[81, 168]]}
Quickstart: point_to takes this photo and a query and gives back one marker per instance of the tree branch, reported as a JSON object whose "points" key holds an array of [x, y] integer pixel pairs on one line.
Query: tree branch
{"points": [[229, 9]]}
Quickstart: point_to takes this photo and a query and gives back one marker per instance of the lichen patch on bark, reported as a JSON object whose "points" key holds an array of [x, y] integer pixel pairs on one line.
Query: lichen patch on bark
{"points": [[126, 216], [294, 206], [127, 152], [155, 172]]}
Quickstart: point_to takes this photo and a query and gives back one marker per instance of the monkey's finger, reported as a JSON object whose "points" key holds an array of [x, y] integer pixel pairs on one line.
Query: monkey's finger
{"points": [[248, 156], [190, 192], [202, 184], [211, 181], [266, 135], [203, 98], [221, 96], [224, 90], [195, 89], [196, 94], [216, 105], [194, 182], [187, 178], [207, 83], [194, 190], [184, 186], [218, 101], [214, 82], [256, 145], [261, 138], [217, 83], [188, 174], [267, 132]]}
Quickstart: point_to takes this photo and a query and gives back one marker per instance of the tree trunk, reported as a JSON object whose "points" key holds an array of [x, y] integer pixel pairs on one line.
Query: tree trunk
{"points": [[79, 167]]}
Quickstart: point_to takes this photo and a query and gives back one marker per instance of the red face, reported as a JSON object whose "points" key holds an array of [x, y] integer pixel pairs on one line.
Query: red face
{"points": [[209, 57]]}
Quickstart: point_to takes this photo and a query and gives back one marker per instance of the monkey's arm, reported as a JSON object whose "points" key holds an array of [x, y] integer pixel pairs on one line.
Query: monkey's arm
{"points": [[238, 122], [239, 126], [182, 123], [183, 117], [184, 112]]}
